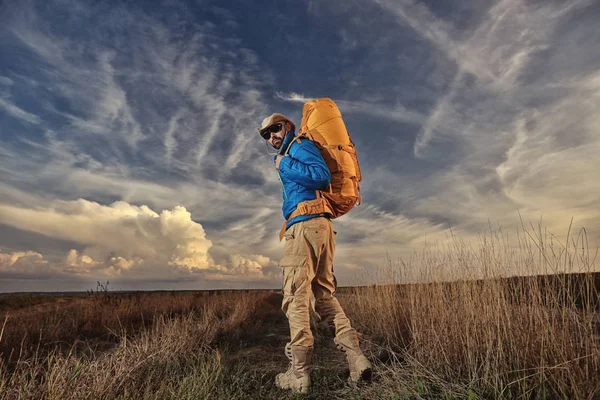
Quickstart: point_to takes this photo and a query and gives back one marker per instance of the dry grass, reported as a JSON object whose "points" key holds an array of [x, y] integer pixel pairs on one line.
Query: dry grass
{"points": [[99, 318], [172, 357], [528, 337]]}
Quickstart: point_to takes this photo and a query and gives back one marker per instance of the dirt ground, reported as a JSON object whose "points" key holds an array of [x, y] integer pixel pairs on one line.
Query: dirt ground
{"points": [[264, 355]]}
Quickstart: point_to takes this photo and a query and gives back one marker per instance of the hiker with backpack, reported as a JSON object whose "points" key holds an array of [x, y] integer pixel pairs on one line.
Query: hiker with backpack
{"points": [[320, 176]]}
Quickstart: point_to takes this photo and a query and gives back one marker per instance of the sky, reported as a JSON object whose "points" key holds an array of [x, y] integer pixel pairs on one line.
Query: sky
{"points": [[129, 154]]}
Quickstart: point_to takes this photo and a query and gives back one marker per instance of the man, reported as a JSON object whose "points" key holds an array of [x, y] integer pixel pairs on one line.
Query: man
{"points": [[307, 262]]}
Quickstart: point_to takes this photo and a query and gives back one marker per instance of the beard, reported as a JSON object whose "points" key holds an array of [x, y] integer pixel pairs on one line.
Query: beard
{"points": [[276, 142]]}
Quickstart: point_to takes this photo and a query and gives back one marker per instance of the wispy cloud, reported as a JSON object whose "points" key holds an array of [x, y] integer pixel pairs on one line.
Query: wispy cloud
{"points": [[18, 113], [5, 81], [188, 77], [294, 97], [383, 111], [512, 115]]}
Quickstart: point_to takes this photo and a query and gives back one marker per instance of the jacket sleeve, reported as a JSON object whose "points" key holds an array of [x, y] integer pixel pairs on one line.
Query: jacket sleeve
{"points": [[306, 167]]}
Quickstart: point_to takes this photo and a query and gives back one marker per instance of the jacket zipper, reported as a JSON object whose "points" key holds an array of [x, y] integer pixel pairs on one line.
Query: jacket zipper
{"points": [[279, 175], [282, 186]]}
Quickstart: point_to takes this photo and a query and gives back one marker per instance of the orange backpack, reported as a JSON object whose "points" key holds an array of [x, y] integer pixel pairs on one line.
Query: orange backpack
{"points": [[322, 123]]}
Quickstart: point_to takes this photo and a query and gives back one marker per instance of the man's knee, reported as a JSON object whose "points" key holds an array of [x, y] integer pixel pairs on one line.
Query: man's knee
{"points": [[298, 315], [327, 306]]}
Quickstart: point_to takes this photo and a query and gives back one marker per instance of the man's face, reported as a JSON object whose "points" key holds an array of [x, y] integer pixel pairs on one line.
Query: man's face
{"points": [[277, 133]]}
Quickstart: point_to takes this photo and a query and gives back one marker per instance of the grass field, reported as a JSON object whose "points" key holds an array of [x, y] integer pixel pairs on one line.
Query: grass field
{"points": [[532, 337]]}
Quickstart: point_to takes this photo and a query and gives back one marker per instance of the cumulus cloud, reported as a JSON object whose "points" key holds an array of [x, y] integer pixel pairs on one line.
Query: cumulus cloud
{"points": [[126, 240], [23, 263], [254, 265], [129, 231], [73, 259], [17, 257], [119, 264], [82, 264]]}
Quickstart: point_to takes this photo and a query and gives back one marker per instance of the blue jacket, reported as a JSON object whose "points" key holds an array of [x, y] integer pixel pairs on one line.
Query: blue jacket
{"points": [[301, 174]]}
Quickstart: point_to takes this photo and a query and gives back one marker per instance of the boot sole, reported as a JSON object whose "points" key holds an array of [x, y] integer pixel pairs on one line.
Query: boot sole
{"points": [[366, 375], [366, 371], [282, 382]]}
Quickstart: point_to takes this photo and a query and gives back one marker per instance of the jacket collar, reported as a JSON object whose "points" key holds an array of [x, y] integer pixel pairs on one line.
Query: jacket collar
{"points": [[289, 137]]}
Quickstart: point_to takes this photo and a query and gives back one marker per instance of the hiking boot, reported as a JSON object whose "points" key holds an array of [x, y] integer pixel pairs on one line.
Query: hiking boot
{"points": [[297, 377], [360, 367]]}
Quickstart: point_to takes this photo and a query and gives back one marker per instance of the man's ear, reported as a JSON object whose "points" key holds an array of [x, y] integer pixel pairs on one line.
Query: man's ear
{"points": [[288, 127]]}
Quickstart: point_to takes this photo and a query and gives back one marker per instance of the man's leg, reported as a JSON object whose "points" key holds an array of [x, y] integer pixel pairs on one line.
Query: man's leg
{"points": [[296, 301], [297, 275], [324, 286], [327, 306]]}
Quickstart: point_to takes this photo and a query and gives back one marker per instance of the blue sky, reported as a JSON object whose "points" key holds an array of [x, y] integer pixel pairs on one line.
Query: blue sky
{"points": [[128, 148]]}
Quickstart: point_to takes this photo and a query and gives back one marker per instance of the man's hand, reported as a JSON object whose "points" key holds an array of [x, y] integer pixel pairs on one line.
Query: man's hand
{"points": [[277, 161]]}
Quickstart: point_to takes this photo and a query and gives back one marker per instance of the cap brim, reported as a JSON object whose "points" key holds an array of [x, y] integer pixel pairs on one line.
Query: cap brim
{"points": [[276, 120], [260, 131]]}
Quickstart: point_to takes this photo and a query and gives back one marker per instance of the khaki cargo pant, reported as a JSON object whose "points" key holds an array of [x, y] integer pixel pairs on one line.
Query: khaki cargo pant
{"points": [[307, 265]]}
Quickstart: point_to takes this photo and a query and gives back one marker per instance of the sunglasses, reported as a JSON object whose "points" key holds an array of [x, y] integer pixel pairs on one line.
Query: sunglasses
{"points": [[266, 134]]}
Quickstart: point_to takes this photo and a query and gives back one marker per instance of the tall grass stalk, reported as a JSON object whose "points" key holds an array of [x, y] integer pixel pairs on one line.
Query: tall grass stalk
{"points": [[533, 335]]}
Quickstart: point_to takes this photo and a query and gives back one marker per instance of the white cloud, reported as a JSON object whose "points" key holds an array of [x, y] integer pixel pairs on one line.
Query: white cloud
{"points": [[123, 239], [23, 263], [254, 265], [383, 111], [6, 81], [170, 142], [119, 264], [19, 113], [420, 18], [496, 52], [10, 259], [168, 238], [516, 127], [167, 78], [294, 97], [79, 264], [73, 259]]}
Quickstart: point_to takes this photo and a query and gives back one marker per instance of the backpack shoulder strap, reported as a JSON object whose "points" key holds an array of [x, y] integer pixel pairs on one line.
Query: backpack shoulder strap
{"points": [[297, 140]]}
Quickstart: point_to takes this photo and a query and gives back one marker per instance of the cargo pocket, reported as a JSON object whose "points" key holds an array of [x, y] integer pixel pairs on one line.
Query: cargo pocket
{"points": [[294, 278], [294, 271], [288, 245]]}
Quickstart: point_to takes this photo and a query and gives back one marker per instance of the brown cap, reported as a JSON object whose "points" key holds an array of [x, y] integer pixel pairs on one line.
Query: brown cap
{"points": [[273, 119]]}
